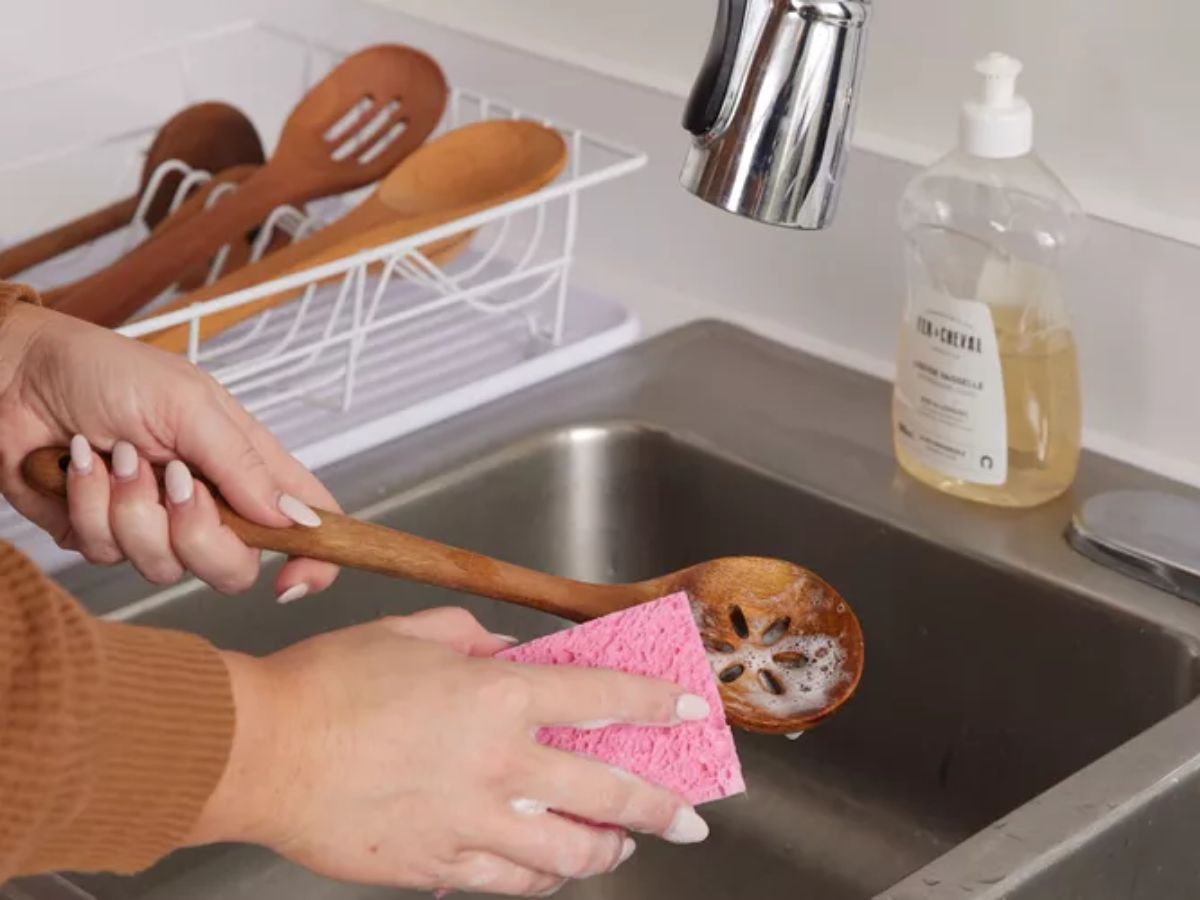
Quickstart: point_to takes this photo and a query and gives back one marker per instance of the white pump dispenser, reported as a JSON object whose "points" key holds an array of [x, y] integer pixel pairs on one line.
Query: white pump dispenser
{"points": [[1000, 124]]}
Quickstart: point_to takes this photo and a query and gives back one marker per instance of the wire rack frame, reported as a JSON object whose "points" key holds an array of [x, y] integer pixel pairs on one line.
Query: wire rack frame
{"points": [[379, 329]]}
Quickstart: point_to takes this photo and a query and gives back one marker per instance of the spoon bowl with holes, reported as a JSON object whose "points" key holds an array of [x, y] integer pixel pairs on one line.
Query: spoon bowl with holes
{"points": [[350, 130], [787, 649]]}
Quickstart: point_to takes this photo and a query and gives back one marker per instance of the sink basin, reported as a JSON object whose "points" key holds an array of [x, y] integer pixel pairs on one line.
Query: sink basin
{"points": [[1006, 722]]}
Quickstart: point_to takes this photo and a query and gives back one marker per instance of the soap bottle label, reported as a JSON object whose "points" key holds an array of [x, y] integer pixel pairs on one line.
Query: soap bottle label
{"points": [[950, 410]]}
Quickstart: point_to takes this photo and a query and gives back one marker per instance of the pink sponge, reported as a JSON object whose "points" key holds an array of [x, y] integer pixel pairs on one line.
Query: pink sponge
{"points": [[697, 760]]}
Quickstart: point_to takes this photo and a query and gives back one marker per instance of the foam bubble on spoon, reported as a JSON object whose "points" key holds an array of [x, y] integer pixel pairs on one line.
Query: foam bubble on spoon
{"points": [[807, 668]]}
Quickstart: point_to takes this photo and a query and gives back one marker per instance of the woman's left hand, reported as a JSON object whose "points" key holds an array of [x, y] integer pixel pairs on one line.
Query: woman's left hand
{"points": [[64, 381]]}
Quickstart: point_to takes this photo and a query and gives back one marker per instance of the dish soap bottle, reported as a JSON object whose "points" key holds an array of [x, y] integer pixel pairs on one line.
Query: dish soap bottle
{"points": [[986, 403]]}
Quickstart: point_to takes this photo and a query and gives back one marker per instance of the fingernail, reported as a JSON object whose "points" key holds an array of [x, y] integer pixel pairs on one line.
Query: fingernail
{"points": [[124, 461], [298, 511], [81, 455], [594, 724], [179, 482], [687, 827], [507, 638], [295, 592], [690, 708], [627, 849]]}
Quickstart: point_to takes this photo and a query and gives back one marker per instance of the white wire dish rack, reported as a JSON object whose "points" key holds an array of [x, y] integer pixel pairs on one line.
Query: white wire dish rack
{"points": [[378, 344]]}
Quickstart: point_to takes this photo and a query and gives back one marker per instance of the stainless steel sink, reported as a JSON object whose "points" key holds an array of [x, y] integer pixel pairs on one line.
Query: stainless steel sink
{"points": [[1025, 726]]}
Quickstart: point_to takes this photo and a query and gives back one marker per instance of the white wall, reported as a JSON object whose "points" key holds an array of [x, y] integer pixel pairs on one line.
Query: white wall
{"points": [[1116, 85], [646, 241]]}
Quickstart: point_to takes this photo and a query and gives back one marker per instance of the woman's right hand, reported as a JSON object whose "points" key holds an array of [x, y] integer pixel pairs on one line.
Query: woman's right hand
{"points": [[398, 753]]}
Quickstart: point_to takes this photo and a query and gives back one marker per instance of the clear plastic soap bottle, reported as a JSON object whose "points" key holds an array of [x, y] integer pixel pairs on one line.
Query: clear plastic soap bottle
{"points": [[986, 403]]}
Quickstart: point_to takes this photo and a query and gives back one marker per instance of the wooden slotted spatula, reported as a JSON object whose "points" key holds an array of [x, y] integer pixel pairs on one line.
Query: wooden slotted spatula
{"points": [[462, 172], [787, 648], [365, 116], [208, 136]]}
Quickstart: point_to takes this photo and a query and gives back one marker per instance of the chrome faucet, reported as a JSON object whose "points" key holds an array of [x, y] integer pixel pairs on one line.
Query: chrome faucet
{"points": [[772, 108]]}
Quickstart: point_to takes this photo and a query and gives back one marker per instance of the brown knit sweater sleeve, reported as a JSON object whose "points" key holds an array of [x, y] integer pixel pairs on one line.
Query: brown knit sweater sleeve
{"points": [[112, 737]]}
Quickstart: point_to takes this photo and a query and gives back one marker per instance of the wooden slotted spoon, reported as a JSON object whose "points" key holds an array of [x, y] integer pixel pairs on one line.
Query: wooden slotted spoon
{"points": [[787, 648], [208, 136], [462, 172], [352, 128]]}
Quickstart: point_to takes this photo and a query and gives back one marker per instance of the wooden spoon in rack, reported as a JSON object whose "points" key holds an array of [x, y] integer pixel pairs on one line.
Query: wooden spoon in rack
{"points": [[462, 172], [351, 129], [197, 201], [787, 649], [208, 136]]}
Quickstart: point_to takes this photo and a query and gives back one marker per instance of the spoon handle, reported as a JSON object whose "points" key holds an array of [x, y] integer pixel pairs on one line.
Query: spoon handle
{"points": [[115, 293], [350, 542], [68, 236], [336, 240]]}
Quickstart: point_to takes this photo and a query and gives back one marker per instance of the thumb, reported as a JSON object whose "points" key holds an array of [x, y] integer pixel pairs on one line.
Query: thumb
{"points": [[452, 626], [226, 456]]}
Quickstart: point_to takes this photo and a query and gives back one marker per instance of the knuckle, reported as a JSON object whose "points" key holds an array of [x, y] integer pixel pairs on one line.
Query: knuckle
{"points": [[656, 810], [102, 554], [508, 695], [236, 581], [454, 617], [162, 573], [589, 856]]}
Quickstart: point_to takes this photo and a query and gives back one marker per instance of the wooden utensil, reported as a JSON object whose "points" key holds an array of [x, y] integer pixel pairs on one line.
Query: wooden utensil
{"points": [[364, 117], [208, 136], [461, 172], [787, 648], [197, 201]]}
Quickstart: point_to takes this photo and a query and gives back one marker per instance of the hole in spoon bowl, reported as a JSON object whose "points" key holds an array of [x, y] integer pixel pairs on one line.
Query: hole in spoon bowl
{"points": [[776, 630], [737, 619], [771, 682]]}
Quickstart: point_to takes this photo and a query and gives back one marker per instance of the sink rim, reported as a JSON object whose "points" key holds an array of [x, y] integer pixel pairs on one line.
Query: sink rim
{"points": [[744, 398]]}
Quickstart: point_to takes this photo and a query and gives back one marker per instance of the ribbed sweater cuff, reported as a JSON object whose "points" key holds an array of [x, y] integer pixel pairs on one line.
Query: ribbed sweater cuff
{"points": [[164, 727]]}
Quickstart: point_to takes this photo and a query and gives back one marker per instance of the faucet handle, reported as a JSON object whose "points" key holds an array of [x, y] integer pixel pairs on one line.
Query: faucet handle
{"points": [[1148, 535]]}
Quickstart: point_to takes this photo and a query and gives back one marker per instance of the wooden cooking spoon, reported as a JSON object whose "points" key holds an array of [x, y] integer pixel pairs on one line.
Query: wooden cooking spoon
{"points": [[459, 173], [208, 136], [787, 649], [364, 117], [239, 250]]}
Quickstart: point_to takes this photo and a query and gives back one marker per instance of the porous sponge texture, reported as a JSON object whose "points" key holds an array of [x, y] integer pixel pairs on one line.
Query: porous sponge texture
{"points": [[698, 760]]}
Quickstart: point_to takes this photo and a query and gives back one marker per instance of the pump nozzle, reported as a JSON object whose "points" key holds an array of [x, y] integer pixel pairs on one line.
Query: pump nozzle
{"points": [[999, 78], [1000, 124]]}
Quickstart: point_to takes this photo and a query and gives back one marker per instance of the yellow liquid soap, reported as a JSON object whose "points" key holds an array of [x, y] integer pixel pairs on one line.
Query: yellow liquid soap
{"points": [[1042, 403]]}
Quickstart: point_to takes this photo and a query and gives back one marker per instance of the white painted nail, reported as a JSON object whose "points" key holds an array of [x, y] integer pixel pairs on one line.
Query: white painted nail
{"points": [[178, 481], [298, 511], [527, 807], [124, 461], [81, 455], [295, 592], [687, 827], [690, 708], [627, 849], [507, 638], [594, 724]]}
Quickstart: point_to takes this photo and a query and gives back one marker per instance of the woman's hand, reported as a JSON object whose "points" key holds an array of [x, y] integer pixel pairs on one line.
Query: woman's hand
{"points": [[396, 753], [63, 380]]}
